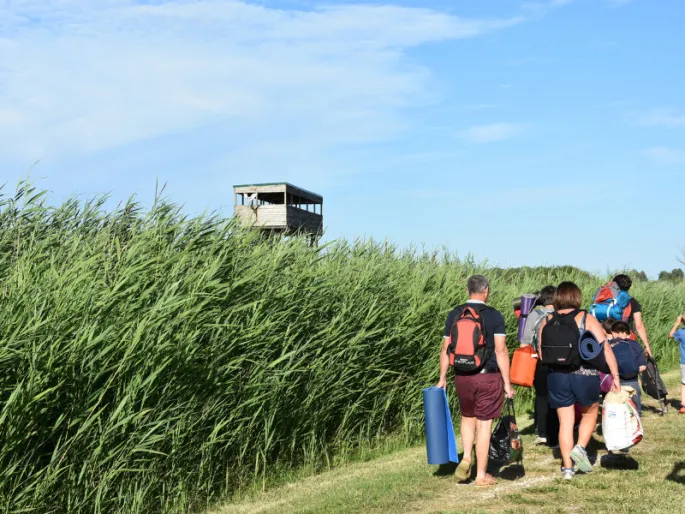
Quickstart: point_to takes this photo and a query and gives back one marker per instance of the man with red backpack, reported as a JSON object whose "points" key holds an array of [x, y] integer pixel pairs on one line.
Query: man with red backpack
{"points": [[613, 301], [634, 316], [474, 344]]}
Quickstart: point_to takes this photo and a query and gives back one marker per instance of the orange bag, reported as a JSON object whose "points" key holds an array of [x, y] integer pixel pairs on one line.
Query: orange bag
{"points": [[523, 366]]}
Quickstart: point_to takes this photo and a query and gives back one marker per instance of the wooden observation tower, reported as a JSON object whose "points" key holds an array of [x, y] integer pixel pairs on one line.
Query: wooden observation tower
{"points": [[279, 208]]}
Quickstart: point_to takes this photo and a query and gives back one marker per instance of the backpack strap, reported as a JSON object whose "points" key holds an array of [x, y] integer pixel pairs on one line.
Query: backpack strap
{"points": [[479, 308]]}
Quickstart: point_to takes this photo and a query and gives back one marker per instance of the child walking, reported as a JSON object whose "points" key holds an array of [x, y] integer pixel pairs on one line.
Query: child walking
{"points": [[635, 361], [631, 362], [678, 333]]}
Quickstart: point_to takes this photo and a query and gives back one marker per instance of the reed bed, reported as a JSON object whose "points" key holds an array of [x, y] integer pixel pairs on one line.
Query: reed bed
{"points": [[154, 362]]}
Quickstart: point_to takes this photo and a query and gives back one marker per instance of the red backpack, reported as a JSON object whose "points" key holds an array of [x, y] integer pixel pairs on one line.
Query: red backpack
{"points": [[608, 295], [468, 350]]}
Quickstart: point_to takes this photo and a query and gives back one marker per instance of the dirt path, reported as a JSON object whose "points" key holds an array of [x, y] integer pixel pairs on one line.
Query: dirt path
{"points": [[403, 482]]}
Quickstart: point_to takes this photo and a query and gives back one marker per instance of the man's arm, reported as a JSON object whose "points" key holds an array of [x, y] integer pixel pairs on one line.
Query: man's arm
{"points": [[444, 363], [502, 356], [640, 329]]}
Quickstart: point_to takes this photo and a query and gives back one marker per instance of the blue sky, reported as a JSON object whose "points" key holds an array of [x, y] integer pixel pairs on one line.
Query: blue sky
{"points": [[440, 123]]}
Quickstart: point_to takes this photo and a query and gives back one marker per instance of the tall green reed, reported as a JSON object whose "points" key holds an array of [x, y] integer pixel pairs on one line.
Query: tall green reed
{"points": [[154, 362]]}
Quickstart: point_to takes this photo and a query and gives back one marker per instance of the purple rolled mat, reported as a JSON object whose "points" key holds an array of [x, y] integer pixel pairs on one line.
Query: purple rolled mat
{"points": [[527, 303]]}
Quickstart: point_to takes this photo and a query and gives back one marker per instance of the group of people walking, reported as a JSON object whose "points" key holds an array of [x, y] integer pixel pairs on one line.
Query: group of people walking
{"points": [[566, 387]]}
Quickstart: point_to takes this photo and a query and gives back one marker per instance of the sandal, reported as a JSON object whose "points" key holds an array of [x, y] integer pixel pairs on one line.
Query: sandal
{"points": [[486, 481], [463, 472]]}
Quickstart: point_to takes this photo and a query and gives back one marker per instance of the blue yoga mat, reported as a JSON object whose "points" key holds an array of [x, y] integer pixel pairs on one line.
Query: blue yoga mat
{"points": [[592, 352], [441, 445]]}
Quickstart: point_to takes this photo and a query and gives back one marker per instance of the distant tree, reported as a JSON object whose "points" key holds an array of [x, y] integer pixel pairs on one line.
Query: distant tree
{"points": [[676, 275], [664, 275], [637, 276]]}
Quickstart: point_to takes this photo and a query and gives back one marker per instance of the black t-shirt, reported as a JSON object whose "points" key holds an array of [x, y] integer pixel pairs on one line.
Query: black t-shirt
{"points": [[494, 325], [634, 307]]}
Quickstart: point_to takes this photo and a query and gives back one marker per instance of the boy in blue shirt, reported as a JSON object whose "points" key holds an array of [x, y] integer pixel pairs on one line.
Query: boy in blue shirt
{"points": [[678, 334], [620, 332]]}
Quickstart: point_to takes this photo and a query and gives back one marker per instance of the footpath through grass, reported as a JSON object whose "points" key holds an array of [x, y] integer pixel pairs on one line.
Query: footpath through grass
{"points": [[652, 480]]}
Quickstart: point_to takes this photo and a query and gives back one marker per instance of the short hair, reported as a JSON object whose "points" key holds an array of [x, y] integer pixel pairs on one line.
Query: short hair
{"points": [[624, 282], [477, 284], [568, 296], [621, 327], [608, 325], [546, 296]]}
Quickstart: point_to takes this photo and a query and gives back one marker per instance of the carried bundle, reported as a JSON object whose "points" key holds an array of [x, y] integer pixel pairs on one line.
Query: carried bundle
{"points": [[621, 423], [610, 302], [505, 443]]}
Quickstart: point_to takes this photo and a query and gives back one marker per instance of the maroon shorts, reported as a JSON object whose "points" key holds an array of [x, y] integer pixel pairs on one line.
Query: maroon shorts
{"points": [[480, 396]]}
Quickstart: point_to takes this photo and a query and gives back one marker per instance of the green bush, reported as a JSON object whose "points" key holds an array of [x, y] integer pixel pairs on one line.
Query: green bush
{"points": [[154, 362]]}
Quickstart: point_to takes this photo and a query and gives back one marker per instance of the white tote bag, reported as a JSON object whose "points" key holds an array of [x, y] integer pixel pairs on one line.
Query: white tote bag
{"points": [[621, 424]]}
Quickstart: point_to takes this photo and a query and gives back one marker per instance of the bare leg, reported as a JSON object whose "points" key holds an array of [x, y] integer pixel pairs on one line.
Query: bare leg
{"points": [[468, 434], [682, 395], [587, 424], [483, 446], [567, 417]]}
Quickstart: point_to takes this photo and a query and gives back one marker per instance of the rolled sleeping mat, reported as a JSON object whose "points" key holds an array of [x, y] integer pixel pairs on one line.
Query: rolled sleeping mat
{"points": [[527, 304], [602, 311], [592, 352], [441, 444]]}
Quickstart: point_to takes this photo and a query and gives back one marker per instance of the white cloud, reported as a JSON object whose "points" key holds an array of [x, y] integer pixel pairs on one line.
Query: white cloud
{"points": [[660, 118], [84, 75], [493, 132], [666, 156]]}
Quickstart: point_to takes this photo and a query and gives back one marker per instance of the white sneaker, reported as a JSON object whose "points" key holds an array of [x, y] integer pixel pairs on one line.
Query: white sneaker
{"points": [[579, 456], [567, 473], [540, 441]]}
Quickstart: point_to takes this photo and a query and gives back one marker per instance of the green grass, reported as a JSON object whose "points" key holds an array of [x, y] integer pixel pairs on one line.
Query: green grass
{"points": [[403, 482], [154, 362]]}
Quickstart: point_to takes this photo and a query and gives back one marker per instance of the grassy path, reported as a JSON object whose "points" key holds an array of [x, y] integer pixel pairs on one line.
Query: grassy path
{"points": [[652, 481]]}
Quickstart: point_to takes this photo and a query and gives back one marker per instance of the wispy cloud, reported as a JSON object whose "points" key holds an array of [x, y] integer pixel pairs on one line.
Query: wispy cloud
{"points": [[80, 75], [666, 156], [492, 132], [660, 118]]}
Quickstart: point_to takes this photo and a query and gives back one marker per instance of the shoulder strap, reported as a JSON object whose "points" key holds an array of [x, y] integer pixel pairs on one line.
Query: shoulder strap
{"points": [[571, 314], [479, 307]]}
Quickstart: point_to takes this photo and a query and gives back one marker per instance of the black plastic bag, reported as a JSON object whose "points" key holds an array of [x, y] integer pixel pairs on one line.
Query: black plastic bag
{"points": [[505, 443]]}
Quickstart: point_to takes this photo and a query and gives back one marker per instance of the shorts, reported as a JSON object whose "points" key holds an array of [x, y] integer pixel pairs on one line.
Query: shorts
{"points": [[480, 396], [565, 389], [682, 374]]}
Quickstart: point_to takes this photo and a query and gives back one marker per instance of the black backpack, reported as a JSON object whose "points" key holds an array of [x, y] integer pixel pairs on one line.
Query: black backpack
{"points": [[560, 338], [626, 359], [653, 385]]}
